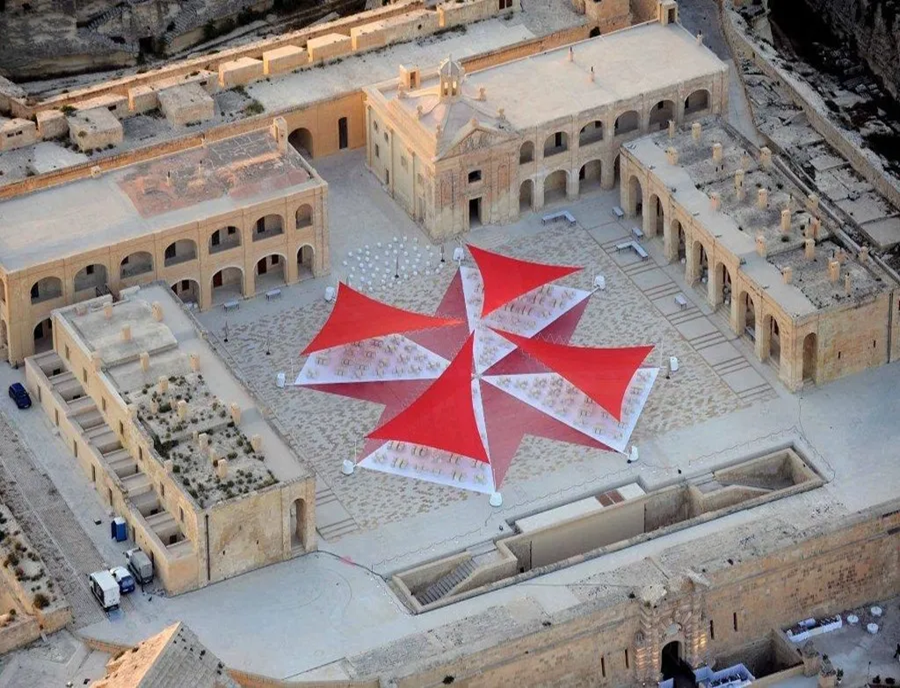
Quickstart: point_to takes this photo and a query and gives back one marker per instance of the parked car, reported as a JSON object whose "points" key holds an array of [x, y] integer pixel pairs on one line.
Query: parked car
{"points": [[19, 394], [105, 589], [123, 578], [140, 565]]}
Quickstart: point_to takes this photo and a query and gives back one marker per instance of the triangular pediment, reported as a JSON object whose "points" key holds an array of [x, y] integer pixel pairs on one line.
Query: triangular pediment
{"points": [[472, 138]]}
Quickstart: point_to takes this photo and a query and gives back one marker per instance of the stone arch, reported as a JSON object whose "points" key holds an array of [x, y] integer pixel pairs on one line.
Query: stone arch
{"points": [[672, 664], [180, 251], [747, 314], [700, 263], [526, 153], [306, 260], [224, 238], [555, 186], [134, 264], [772, 340], [697, 102], [590, 133], [660, 114], [43, 336], [304, 216], [676, 242], [556, 143], [526, 196], [589, 176], [90, 276], [810, 356], [46, 289], [657, 216], [270, 272], [635, 197], [302, 141], [617, 166], [268, 226], [227, 284], [188, 290], [724, 285], [627, 122]]}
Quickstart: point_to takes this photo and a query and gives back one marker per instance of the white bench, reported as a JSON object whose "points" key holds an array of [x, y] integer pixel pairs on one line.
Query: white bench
{"points": [[618, 212], [561, 215], [273, 294], [623, 246], [634, 246], [231, 305], [681, 301], [637, 233]]}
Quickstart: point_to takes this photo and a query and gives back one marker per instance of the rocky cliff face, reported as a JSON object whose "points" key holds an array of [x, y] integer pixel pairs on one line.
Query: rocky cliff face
{"points": [[874, 25]]}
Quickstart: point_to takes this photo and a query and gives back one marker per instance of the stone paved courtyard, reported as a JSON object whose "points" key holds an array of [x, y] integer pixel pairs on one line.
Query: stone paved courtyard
{"points": [[325, 429]]}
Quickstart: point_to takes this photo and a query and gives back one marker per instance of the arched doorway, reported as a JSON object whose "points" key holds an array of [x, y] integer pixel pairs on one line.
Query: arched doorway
{"points": [[302, 141], [635, 197], [43, 336], [4, 336], [672, 666], [589, 177], [46, 289], [134, 264], [626, 123], [748, 319], [556, 143], [187, 290], [660, 114], [298, 525], [555, 187], [723, 285], [774, 333], [227, 284], [682, 242], [180, 251], [304, 216], [696, 103], [810, 356], [268, 226], [526, 196], [616, 174], [269, 272], [89, 277], [306, 255], [224, 239], [526, 153], [657, 219], [590, 133], [701, 263]]}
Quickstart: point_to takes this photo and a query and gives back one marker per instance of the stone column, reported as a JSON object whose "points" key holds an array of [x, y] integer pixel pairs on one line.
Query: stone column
{"points": [[713, 286], [537, 196], [572, 185], [649, 219], [291, 272], [690, 262], [670, 240]]}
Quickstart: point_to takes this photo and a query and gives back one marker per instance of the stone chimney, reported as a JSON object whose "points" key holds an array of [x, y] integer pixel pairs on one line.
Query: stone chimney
{"points": [[863, 255], [157, 311], [195, 362], [834, 271], [145, 361], [96, 172], [203, 441], [419, 111], [847, 284], [785, 221], [717, 152], [841, 256], [107, 310], [126, 333], [671, 128], [700, 38], [256, 443], [672, 155], [222, 469], [482, 93], [714, 200], [279, 132], [739, 184], [162, 384], [182, 409], [787, 274], [571, 54], [812, 203], [762, 198], [809, 249], [765, 157], [696, 131], [761, 248], [236, 413]]}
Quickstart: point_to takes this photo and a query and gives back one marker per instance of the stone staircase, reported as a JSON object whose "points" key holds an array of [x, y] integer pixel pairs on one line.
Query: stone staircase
{"points": [[443, 585]]}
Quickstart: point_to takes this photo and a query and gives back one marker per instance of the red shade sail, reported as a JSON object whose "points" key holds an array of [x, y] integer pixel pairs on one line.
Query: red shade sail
{"points": [[602, 374], [356, 317], [443, 417], [507, 278]]}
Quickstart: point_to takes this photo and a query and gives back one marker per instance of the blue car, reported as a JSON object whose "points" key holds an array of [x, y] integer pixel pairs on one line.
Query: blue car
{"points": [[19, 394]]}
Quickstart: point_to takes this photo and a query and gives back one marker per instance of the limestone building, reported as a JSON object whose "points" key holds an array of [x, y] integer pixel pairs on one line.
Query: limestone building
{"points": [[171, 440], [814, 304], [217, 222], [458, 150]]}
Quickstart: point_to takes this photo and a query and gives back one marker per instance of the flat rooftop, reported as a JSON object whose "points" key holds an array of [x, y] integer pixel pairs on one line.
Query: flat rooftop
{"points": [[740, 220], [144, 198], [626, 63]]}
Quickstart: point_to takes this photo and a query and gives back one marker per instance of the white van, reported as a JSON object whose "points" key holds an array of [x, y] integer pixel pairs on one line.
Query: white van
{"points": [[105, 589]]}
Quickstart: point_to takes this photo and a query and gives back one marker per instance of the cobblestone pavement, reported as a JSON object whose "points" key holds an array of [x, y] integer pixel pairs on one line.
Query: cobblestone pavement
{"points": [[324, 428], [49, 523]]}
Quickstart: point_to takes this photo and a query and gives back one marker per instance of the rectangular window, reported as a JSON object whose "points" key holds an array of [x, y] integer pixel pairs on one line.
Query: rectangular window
{"points": [[67, 352], [603, 666], [181, 514], [162, 490], [375, 124], [75, 448], [140, 453], [558, 139], [734, 617], [103, 403], [474, 176], [712, 630], [275, 259], [343, 136], [403, 162], [121, 428], [170, 251], [377, 151], [84, 375], [93, 473], [89, 270], [386, 139], [627, 663], [215, 239]]}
